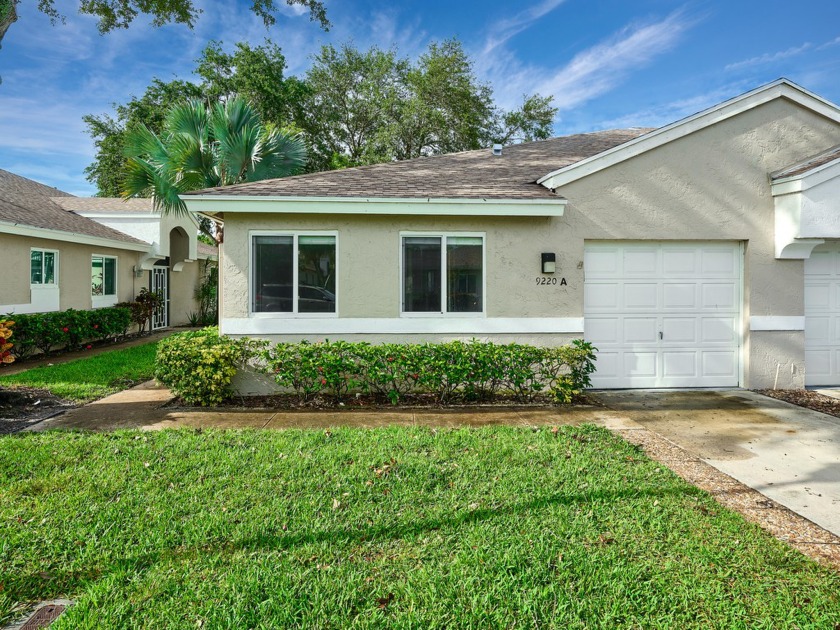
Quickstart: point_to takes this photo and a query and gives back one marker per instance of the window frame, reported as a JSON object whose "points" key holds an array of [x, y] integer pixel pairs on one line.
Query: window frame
{"points": [[252, 282], [106, 299], [443, 235], [43, 251]]}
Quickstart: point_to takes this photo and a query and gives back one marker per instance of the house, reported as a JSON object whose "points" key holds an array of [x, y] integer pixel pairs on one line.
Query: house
{"points": [[62, 251], [701, 254]]}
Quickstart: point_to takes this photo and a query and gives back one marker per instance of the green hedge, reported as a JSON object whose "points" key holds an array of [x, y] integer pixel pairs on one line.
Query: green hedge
{"points": [[67, 330], [199, 366]]}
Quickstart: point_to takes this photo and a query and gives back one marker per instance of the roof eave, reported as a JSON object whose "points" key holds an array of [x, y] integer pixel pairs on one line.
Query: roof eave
{"points": [[781, 88], [21, 229], [211, 205]]}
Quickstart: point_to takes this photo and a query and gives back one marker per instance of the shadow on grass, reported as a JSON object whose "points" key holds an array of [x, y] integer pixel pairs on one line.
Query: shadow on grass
{"points": [[43, 586]]}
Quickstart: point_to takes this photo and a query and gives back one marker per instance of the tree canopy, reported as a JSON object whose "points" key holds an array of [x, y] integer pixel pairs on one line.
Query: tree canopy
{"points": [[113, 14], [352, 106]]}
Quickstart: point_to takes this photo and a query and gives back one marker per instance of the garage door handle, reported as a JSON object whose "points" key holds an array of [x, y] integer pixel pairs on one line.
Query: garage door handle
{"points": [[660, 334]]}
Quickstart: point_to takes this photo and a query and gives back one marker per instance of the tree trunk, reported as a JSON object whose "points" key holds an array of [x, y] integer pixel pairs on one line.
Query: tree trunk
{"points": [[8, 16]]}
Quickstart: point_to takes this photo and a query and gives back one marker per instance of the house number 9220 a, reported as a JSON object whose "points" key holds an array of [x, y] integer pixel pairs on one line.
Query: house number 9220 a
{"points": [[543, 280]]}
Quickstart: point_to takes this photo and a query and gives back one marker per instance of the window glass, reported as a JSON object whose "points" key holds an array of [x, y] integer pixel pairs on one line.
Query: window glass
{"points": [[464, 262], [97, 279], [421, 274], [49, 267], [110, 276], [273, 274], [316, 274], [36, 266]]}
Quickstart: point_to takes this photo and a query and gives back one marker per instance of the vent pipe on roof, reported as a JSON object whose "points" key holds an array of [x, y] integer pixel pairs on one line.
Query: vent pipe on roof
{"points": [[497, 149]]}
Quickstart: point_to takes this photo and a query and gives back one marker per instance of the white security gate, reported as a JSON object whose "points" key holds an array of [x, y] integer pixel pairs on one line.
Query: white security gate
{"points": [[822, 316], [160, 284], [664, 314]]}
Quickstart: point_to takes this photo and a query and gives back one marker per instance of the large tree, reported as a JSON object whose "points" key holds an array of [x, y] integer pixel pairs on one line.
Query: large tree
{"points": [[201, 147], [255, 73], [113, 14], [372, 106]]}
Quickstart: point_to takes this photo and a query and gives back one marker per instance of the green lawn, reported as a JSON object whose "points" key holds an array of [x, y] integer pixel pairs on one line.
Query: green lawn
{"points": [[92, 377], [399, 527]]}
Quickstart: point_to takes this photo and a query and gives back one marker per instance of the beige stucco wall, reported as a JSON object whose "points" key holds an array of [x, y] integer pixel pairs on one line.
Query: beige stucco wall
{"points": [[74, 265], [710, 185], [182, 286]]}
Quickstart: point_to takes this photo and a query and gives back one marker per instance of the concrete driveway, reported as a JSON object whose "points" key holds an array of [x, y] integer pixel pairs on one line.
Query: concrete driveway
{"points": [[789, 454]]}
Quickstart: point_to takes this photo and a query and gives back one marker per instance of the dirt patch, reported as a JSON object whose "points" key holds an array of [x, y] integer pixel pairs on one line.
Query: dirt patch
{"points": [[805, 398], [24, 406]]}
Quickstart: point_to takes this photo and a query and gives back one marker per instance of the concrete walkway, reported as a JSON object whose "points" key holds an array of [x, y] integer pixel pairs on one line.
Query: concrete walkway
{"points": [[787, 453]]}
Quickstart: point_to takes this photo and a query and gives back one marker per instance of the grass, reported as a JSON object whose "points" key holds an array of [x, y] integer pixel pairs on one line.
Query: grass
{"points": [[402, 527], [93, 377]]}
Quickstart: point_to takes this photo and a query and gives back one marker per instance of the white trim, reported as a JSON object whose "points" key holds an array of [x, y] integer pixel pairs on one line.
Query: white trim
{"points": [[295, 234], [212, 204], [43, 250], [777, 322], [781, 88], [69, 237], [106, 299], [401, 326], [443, 276]]}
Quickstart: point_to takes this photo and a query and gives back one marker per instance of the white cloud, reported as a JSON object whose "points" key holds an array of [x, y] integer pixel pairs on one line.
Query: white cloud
{"points": [[599, 69], [504, 29], [770, 57]]}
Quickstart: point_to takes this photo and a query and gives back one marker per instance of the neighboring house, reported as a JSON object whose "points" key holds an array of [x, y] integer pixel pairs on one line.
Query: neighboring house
{"points": [[701, 254], [61, 251]]}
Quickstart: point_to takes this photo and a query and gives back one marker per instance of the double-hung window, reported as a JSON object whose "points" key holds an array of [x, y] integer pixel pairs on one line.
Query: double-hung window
{"points": [[43, 267], [103, 280], [293, 273], [442, 273]]}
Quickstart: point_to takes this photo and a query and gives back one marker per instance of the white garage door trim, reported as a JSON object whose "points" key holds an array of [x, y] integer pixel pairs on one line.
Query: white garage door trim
{"points": [[665, 313], [822, 316]]}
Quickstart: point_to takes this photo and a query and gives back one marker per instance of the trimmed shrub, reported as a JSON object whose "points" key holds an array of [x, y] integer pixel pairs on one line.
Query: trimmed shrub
{"points": [[66, 330], [198, 366], [6, 345]]}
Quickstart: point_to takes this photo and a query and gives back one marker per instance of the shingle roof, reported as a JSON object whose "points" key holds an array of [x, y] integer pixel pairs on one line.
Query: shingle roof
{"points": [[809, 164], [469, 175], [113, 205], [207, 250], [27, 202]]}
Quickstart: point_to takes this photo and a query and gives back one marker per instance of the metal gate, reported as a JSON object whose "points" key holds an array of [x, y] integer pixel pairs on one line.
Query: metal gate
{"points": [[160, 285]]}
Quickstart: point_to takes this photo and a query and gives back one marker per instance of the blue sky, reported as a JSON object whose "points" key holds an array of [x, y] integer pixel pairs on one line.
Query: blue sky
{"points": [[607, 63]]}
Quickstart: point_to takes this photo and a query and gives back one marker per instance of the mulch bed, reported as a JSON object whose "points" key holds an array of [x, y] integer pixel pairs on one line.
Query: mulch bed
{"points": [[24, 406], [805, 398], [290, 402]]}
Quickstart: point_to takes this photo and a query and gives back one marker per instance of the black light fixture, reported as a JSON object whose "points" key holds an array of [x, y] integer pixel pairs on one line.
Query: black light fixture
{"points": [[548, 262]]}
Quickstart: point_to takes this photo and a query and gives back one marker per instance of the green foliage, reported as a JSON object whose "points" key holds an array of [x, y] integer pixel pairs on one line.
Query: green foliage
{"points": [[142, 309], [202, 147], [207, 295], [67, 330], [454, 370], [198, 366]]}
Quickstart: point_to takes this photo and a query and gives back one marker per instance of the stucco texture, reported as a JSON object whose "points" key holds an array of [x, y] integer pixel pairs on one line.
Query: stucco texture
{"points": [[710, 185]]}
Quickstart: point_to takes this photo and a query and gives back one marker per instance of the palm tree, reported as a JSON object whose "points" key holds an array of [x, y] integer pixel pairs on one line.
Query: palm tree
{"points": [[204, 147]]}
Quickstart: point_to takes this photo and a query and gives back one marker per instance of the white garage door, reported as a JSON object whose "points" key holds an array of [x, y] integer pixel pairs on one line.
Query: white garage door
{"points": [[822, 316], [663, 314]]}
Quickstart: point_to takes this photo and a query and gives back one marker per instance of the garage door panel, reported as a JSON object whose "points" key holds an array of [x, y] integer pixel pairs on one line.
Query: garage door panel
{"points": [[719, 364], [640, 330], [822, 316], [679, 363], [719, 330], [679, 295], [640, 263], [720, 296], [677, 320], [640, 296], [640, 364], [679, 330]]}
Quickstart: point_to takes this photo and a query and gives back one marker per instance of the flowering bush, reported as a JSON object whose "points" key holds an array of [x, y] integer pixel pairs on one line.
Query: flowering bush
{"points": [[67, 330], [6, 345]]}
